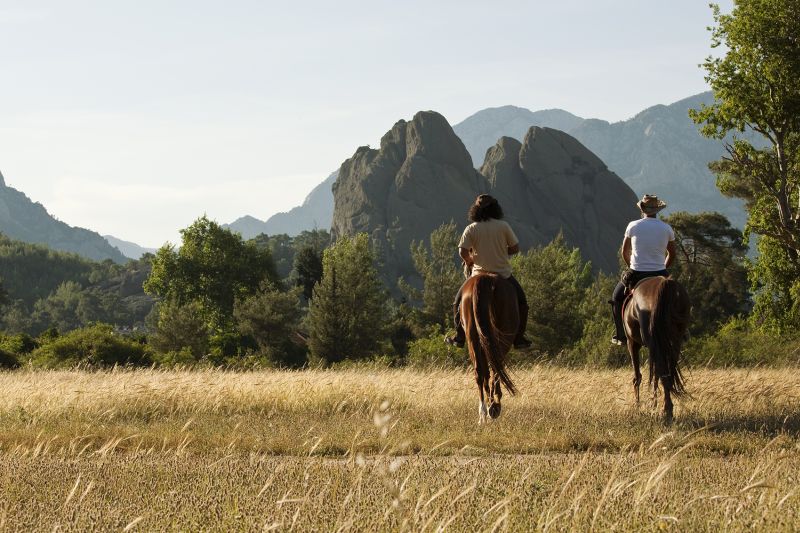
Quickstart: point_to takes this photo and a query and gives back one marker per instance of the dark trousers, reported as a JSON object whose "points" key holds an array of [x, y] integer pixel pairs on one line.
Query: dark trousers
{"points": [[523, 311], [631, 278]]}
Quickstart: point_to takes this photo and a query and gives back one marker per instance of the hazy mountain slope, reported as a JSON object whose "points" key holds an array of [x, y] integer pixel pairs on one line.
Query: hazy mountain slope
{"points": [[316, 212], [128, 249], [481, 131], [26, 221]]}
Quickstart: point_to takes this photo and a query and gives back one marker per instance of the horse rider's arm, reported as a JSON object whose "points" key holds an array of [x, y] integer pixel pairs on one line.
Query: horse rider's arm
{"points": [[465, 255], [672, 252], [626, 251], [513, 249]]}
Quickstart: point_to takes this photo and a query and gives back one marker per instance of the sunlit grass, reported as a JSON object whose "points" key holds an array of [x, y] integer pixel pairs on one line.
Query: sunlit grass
{"points": [[395, 449]]}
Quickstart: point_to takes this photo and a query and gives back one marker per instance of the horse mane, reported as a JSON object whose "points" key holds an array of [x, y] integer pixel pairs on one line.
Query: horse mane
{"points": [[668, 323], [483, 314]]}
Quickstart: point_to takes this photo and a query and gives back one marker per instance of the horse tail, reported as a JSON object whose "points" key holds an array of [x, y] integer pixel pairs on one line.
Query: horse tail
{"points": [[484, 319], [667, 326]]}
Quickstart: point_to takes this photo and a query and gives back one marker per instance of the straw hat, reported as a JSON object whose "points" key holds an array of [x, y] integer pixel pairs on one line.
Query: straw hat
{"points": [[650, 204]]}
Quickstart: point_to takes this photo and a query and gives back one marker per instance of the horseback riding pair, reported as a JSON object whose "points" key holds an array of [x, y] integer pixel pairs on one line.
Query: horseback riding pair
{"points": [[491, 311], [488, 242]]}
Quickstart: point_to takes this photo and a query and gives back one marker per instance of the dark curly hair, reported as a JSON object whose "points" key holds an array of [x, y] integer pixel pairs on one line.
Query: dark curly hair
{"points": [[484, 208]]}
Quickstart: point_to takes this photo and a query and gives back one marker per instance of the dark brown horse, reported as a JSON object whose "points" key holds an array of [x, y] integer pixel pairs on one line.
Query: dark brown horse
{"points": [[656, 316], [490, 315]]}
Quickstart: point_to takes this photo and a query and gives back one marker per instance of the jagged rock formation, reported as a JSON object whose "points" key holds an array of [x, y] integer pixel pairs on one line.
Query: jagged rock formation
{"points": [[422, 176], [551, 183], [26, 221], [315, 213]]}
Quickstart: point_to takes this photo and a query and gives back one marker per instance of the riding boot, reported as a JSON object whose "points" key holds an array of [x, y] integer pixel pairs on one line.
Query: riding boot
{"points": [[616, 311], [460, 337]]}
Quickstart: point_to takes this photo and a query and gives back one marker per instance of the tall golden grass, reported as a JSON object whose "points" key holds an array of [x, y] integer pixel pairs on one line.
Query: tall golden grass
{"points": [[395, 450]]}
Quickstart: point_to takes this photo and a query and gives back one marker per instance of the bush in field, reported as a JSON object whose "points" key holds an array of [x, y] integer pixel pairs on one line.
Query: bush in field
{"points": [[95, 346], [430, 350], [8, 359], [20, 344], [739, 343], [271, 318], [180, 327]]}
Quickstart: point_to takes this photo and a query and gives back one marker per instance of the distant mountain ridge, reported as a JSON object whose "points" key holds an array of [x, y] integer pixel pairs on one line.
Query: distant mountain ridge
{"points": [[316, 212], [28, 221], [658, 151]]}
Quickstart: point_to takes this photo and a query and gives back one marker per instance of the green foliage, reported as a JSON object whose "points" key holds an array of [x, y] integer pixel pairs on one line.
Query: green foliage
{"points": [[8, 359], [271, 318], [180, 329], [20, 344], [347, 313], [213, 268], [711, 266], [95, 346], [555, 280], [431, 351], [47, 287], [775, 281], [441, 277], [285, 249], [308, 269], [594, 347], [757, 89], [738, 343]]}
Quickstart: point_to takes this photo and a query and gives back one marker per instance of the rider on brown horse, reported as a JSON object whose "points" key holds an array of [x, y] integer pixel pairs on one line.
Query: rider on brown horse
{"points": [[485, 246], [648, 250]]}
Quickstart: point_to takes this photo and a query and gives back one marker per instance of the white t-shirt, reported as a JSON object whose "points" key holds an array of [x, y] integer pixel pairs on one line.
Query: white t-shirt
{"points": [[649, 238]]}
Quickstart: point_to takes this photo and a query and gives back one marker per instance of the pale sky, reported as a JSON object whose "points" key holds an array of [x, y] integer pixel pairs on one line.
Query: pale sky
{"points": [[134, 118]]}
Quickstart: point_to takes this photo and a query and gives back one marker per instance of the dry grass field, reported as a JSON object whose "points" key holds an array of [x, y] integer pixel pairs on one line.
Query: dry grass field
{"points": [[395, 450]]}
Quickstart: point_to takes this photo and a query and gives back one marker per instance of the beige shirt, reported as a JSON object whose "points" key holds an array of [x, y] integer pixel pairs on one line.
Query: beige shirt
{"points": [[489, 241]]}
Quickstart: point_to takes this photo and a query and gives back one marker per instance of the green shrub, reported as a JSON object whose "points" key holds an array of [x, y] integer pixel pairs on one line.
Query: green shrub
{"points": [[8, 359], [20, 344], [738, 343], [95, 347], [431, 350]]}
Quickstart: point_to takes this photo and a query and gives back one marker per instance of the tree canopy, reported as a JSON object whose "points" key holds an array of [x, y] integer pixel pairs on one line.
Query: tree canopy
{"points": [[756, 88], [213, 267]]}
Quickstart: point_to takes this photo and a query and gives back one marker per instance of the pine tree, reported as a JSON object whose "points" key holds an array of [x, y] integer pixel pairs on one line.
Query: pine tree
{"points": [[440, 274], [347, 314]]}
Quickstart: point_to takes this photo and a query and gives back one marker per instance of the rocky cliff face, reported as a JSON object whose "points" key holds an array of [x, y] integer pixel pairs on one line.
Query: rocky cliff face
{"points": [[549, 183], [26, 221], [423, 176]]}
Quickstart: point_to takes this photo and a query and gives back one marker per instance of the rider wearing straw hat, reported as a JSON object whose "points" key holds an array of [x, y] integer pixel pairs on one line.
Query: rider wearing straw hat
{"points": [[648, 250]]}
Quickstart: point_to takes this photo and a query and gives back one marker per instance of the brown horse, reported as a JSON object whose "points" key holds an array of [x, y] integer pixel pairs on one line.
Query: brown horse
{"points": [[656, 315], [490, 315]]}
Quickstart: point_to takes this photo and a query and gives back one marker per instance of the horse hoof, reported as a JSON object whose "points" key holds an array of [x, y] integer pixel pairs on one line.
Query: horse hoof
{"points": [[494, 410]]}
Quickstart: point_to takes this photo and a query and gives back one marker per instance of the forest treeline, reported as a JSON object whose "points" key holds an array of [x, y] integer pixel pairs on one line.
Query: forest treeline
{"points": [[220, 300]]}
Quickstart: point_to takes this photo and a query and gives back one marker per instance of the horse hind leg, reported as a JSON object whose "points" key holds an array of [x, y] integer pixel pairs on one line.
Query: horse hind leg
{"points": [[666, 383], [482, 410], [496, 397], [633, 350]]}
